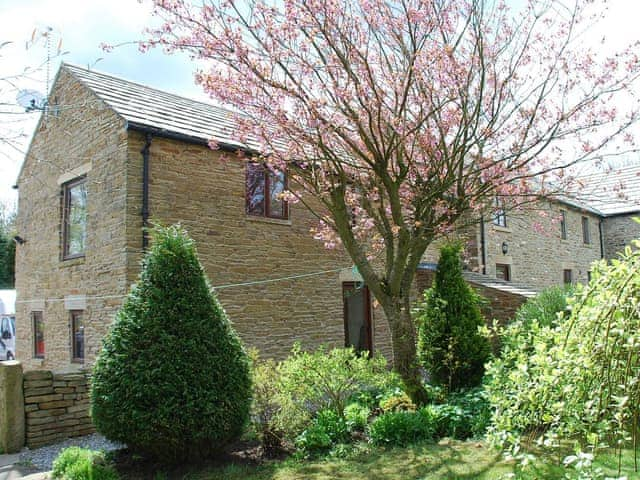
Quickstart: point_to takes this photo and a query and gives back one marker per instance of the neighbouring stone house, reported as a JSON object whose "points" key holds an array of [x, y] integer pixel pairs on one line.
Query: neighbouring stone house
{"points": [[109, 156]]}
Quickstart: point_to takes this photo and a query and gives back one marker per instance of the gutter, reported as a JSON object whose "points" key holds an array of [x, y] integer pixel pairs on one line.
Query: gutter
{"points": [[145, 190], [161, 132]]}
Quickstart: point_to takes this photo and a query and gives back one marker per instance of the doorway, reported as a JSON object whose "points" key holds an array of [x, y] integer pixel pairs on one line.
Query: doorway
{"points": [[357, 316]]}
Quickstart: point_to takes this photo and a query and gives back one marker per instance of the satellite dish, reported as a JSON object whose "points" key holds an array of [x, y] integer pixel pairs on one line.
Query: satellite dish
{"points": [[31, 100]]}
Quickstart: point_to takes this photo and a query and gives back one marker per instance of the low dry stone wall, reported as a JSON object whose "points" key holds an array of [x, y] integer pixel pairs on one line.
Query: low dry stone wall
{"points": [[56, 406]]}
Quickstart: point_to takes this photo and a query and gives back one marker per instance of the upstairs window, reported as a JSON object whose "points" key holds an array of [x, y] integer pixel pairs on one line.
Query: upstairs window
{"points": [[586, 234], [263, 189], [563, 225], [74, 218], [499, 215]]}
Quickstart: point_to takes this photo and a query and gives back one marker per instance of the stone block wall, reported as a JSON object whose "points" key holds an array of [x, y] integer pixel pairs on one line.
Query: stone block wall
{"points": [[536, 253], [618, 232], [56, 406], [86, 139]]}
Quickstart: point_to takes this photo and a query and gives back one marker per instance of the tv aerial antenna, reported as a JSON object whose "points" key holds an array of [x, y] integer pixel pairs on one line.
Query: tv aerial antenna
{"points": [[33, 100]]}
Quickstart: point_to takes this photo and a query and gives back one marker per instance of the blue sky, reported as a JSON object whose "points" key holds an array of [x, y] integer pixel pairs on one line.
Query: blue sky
{"points": [[82, 25]]}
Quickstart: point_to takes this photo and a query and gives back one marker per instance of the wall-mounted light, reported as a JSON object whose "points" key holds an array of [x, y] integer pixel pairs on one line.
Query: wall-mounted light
{"points": [[505, 248], [19, 240]]}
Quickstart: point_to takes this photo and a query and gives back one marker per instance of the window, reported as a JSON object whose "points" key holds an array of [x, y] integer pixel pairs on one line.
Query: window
{"points": [[567, 276], [77, 336], [38, 334], [499, 215], [563, 224], [263, 189], [74, 218], [503, 272], [586, 235]]}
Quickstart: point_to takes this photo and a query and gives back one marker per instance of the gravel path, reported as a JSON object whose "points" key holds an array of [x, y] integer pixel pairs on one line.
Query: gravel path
{"points": [[42, 458]]}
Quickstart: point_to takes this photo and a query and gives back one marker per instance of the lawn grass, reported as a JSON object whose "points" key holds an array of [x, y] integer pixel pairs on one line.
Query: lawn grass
{"points": [[456, 460]]}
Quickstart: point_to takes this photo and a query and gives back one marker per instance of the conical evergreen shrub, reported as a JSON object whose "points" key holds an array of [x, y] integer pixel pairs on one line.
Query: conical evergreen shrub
{"points": [[172, 379], [450, 347]]}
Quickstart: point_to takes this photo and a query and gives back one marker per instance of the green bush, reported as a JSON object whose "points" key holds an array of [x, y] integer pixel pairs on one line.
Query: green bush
{"points": [[465, 414], [328, 429], [172, 380], [313, 440], [266, 406], [401, 428], [324, 380], [397, 401], [356, 416], [522, 403], [450, 345], [476, 409], [75, 463], [579, 378]]}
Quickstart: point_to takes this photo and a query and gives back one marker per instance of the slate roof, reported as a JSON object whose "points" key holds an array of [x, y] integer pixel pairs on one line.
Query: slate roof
{"points": [[613, 192], [143, 106], [489, 282]]}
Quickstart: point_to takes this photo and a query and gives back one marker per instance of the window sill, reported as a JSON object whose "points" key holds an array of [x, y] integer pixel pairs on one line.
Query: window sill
{"points": [[70, 262], [275, 221], [497, 228]]}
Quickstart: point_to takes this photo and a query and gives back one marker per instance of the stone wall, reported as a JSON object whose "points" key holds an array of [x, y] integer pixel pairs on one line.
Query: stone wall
{"points": [[11, 408], [205, 192], [537, 255], [84, 138], [56, 406], [618, 232]]}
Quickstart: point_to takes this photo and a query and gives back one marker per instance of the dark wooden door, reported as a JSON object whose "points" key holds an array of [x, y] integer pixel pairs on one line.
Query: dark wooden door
{"points": [[357, 317]]}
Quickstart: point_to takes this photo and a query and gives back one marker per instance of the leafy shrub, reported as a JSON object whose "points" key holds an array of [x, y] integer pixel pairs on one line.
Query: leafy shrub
{"points": [[397, 401], [313, 440], [75, 463], [523, 403], [401, 428], [324, 379], [450, 346], [356, 416], [582, 373], [545, 307], [328, 428], [265, 405], [172, 380], [476, 409]]}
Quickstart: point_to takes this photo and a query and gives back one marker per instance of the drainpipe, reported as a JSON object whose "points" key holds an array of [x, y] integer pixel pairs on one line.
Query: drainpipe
{"points": [[482, 246], [601, 238], [145, 190]]}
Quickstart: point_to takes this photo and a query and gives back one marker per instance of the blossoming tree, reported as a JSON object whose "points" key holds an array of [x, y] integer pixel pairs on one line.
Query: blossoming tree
{"points": [[398, 119]]}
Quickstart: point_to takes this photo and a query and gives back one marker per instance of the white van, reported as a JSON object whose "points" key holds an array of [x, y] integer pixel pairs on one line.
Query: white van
{"points": [[7, 337]]}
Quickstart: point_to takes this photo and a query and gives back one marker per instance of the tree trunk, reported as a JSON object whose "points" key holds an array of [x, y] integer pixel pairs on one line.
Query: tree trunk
{"points": [[403, 338]]}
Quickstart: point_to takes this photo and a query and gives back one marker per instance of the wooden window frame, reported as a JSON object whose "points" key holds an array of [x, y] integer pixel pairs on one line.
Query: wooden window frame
{"points": [[34, 319], [563, 224], [567, 274], [499, 214], [72, 321], [66, 206], [507, 269], [266, 178], [586, 232], [351, 286]]}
